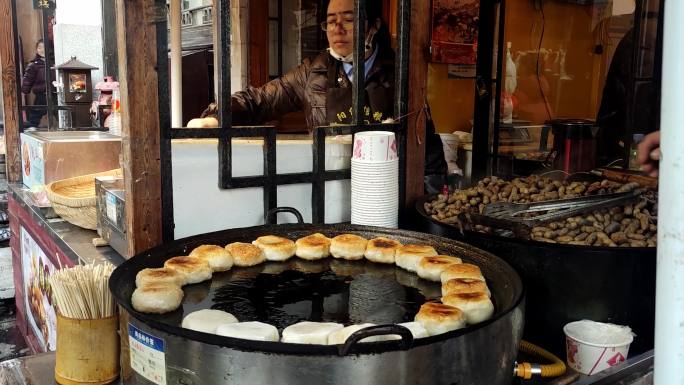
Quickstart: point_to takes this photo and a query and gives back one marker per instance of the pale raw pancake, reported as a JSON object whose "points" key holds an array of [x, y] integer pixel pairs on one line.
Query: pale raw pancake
{"points": [[431, 268], [207, 320], [416, 328], [218, 258], [465, 285], [408, 256], [275, 248], [313, 247], [194, 269], [382, 250], [463, 270], [348, 246], [310, 332], [245, 254], [160, 275], [339, 337], [438, 318], [477, 307], [157, 298], [256, 331]]}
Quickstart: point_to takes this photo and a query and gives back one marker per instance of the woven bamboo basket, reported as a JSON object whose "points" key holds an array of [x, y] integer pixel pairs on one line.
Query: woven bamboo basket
{"points": [[74, 199]]}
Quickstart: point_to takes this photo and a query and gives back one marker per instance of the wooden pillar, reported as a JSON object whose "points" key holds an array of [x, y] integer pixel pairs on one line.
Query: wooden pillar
{"points": [[137, 46], [258, 42], [10, 94], [418, 68]]}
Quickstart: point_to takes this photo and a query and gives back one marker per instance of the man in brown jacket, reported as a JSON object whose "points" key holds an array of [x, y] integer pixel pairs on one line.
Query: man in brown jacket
{"points": [[321, 87]]}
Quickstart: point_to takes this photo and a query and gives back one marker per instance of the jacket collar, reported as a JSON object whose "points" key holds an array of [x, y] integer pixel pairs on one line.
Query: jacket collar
{"points": [[382, 65]]}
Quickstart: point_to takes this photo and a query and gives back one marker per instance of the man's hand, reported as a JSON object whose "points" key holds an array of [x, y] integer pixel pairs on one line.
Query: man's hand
{"points": [[209, 122], [649, 153]]}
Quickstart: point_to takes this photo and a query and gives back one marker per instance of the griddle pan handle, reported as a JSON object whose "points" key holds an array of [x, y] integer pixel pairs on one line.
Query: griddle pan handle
{"points": [[272, 218], [379, 330]]}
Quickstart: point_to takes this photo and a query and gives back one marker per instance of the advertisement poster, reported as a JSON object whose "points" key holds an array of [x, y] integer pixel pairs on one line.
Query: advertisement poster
{"points": [[454, 31], [40, 310]]}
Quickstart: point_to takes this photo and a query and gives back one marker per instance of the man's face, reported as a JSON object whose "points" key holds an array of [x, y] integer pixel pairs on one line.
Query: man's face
{"points": [[40, 49], [341, 15]]}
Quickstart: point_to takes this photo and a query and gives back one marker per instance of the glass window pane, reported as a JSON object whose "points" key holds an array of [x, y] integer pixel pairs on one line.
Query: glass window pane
{"points": [[273, 49], [556, 66], [273, 8]]}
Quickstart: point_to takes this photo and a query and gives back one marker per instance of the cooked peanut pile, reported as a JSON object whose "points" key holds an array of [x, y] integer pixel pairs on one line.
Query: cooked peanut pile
{"points": [[632, 225]]}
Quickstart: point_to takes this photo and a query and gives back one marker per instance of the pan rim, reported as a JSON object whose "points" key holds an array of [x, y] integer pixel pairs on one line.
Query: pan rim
{"points": [[302, 349]]}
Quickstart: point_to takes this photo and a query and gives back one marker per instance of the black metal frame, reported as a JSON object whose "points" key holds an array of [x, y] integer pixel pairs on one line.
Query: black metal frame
{"points": [[51, 105], [270, 180], [640, 14], [279, 20], [483, 88]]}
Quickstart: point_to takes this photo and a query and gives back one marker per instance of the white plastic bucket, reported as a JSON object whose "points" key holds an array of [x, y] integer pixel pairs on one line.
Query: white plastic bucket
{"points": [[592, 347]]}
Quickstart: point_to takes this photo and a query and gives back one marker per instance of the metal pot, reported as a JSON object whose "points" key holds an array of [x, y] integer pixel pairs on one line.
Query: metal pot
{"points": [[479, 354], [566, 283]]}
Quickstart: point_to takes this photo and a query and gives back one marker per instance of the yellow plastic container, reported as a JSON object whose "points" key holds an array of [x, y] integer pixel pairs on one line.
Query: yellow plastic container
{"points": [[87, 351]]}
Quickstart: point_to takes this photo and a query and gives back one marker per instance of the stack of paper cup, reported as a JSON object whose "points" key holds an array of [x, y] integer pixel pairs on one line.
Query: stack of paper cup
{"points": [[375, 179]]}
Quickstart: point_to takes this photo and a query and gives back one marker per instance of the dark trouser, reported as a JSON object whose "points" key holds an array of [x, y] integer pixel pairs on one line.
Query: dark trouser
{"points": [[35, 115]]}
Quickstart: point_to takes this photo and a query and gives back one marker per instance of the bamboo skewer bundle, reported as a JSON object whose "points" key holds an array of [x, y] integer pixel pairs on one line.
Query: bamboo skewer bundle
{"points": [[82, 292]]}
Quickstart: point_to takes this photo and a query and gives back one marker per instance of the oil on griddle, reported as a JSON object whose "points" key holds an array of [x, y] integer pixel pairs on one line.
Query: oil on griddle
{"points": [[330, 290]]}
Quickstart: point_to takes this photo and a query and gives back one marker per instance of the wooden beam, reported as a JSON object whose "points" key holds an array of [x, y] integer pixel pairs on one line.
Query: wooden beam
{"points": [[258, 42], [137, 46], [418, 68], [10, 91]]}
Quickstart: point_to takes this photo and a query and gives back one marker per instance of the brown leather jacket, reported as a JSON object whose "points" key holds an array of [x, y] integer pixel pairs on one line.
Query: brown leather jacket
{"points": [[302, 89]]}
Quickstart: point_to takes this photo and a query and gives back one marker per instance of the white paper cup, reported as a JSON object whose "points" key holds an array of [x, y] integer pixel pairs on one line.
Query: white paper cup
{"points": [[375, 146], [588, 349]]}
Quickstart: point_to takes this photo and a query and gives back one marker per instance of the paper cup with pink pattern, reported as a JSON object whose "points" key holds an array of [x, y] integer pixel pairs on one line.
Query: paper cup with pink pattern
{"points": [[595, 346], [375, 147]]}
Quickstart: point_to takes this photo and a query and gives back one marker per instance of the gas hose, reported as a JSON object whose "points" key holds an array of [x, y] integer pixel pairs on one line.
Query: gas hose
{"points": [[526, 370]]}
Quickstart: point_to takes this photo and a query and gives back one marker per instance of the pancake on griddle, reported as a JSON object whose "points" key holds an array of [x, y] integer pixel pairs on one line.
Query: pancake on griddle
{"points": [[218, 258], [438, 318], [462, 270], [194, 269], [382, 250], [348, 246], [431, 268], [157, 298], [245, 254], [256, 331], [159, 275], [275, 248], [477, 307], [313, 247], [310, 332], [465, 285], [408, 256], [207, 320]]}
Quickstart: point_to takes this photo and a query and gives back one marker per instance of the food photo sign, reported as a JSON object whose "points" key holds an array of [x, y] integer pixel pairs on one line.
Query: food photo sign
{"points": [[40, 310], [454, 31]]}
